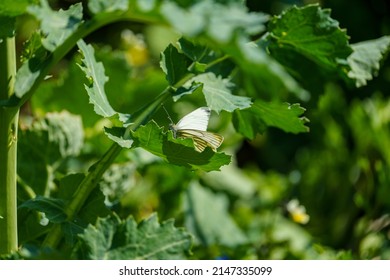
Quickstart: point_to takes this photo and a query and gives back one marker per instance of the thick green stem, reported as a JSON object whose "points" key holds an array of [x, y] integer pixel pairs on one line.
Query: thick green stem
{"points": [[8, 149]]}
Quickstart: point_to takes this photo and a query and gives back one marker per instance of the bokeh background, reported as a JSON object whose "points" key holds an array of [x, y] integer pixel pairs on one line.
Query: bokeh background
{"points": [[323, 194]]}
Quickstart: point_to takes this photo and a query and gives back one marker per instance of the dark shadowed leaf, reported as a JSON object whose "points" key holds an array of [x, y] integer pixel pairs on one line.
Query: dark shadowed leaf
{"points": [[53, 208], [174, 64], [115, 239], [177, 151], [263, 114]]}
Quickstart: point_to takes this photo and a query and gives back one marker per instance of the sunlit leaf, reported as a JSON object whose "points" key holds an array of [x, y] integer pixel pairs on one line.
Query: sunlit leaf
{"points": [[186, 89], [366, 58], [33, 47], [218, 21], [117, 181], [231, 179], [95, 74], [218, 93], [186, 21], [116, 134], [106, 6], [57, 25], [146, 5], [114, 239], [55, 137], [31, 69]]}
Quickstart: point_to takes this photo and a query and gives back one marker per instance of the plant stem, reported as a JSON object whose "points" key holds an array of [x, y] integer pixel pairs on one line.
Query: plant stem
{"points": [[8, 149]]}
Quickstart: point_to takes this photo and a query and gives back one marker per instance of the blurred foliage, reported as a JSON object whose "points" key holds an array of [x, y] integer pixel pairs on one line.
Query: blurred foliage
{"points": [[339, 171]]}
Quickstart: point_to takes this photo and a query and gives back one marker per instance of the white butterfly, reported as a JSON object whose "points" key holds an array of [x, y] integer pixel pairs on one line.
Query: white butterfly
{"points": [[194, 125]]}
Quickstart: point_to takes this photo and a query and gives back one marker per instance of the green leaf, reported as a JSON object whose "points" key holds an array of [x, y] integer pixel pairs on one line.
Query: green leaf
{"points": [[262, 114], [117, 181], [57, 25], [311, 31], [33, 167], [33, 47], [95, 74], [146, 5], [53, 208], [186, 89], [220, 22], [7, 27], [193, 51], [67, 91], [232, 180], [174, 65], [68, 185], [55, 137], [365, 59], [47, 143], [28, 73], [116, 134], [113, 239], [120, 74], [267, 76], [107, 6], [186, 21], [12, 8], [93, 207], [217, 92], [177, 151], [310, 75], [227, 20], [208, 218], [205, 58]]}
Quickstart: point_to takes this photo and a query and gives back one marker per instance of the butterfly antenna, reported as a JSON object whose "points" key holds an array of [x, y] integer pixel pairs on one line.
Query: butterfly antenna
{"points": [[169, 117]]}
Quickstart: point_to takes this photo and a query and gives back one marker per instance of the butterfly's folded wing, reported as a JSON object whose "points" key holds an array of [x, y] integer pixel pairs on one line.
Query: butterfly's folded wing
{"points": [[194, 125], [196, 120], [202, 139]]}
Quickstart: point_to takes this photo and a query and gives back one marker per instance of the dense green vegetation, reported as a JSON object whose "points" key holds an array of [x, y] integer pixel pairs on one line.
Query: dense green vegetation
{"points": [[90, 170]]}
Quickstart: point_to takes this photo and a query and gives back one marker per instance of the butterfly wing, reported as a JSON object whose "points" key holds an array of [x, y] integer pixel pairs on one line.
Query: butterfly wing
{"points": [[196, 120], [194, 125], [202, 139]]}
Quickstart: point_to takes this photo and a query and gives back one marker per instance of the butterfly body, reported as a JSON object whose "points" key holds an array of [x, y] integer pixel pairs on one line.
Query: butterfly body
{"points": [[194, 126]]}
